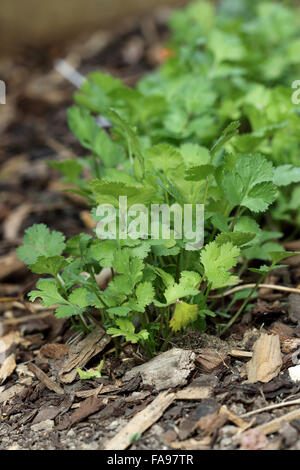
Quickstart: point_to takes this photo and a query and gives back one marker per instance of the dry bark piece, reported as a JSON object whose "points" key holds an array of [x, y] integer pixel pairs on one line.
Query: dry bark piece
{"points": [[279, 328], [7, 367], [169, 436], [192, 444], [55, 350], [266, 361], [8, 343], [168, 370], [210, 359], [102, 390], [141, 421], [286, 335], [81, 352], [88, 407], [53, 386], [11, 392], [210, 423], [48, 412], [194, 393], [204, 417]]}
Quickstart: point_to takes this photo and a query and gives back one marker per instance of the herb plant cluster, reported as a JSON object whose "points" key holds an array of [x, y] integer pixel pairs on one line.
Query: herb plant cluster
{"points": [[215, 125]]}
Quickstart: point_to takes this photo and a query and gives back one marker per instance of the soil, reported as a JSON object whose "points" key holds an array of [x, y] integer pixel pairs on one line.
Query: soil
{"points": [[40, 411]]}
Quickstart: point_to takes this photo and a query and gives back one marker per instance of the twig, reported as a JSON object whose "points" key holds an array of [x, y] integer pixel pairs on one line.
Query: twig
{"points": [[8, 299], [51, 385], [271, 407], [141, 421], [17, 321], [250, 286]]}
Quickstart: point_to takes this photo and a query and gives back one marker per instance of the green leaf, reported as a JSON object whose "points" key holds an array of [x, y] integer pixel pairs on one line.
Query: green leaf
{"points": [[260, 197], [163, 157], [198, 173], [91, 373], [127, 133], [126, 328], [50, 265], [188, 285], [48, 292], [68, 310], [145, 294], [39, 241], [108, 192], [79, 297], [70, 169], [217, 261], [183, 315], [194, 155], [122, 311], [236, 238], [230, 131], [254, 169], [167, 278], [226, 46], [103, 251], [286, 174], [92, 137], [249, 184], [277, 256]]}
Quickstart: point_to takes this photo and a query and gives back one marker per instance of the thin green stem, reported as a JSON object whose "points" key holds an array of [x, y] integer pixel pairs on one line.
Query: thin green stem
{"points": [[244, 304]]}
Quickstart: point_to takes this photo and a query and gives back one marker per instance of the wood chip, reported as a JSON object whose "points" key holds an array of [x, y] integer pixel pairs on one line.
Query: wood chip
{"points": [[80, 353], [11, 392], [7, 342], [192, 444], [234, 418], [55, 350], [50, 384], [88, 407], [287, 342], [194, 393], [141, 421], [7, 368], [266, 361], [211, 422], [209, 360], [168, 370], [238, 353], [102, 390]]}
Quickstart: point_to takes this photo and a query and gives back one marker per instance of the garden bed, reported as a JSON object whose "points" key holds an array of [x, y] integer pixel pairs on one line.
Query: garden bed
{"points": [[218, 393]]}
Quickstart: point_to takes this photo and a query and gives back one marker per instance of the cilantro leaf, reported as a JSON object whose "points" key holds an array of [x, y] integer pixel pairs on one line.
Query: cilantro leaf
{"points": [[39, 241], [183, 315], [217, 261], [188, 285]]}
